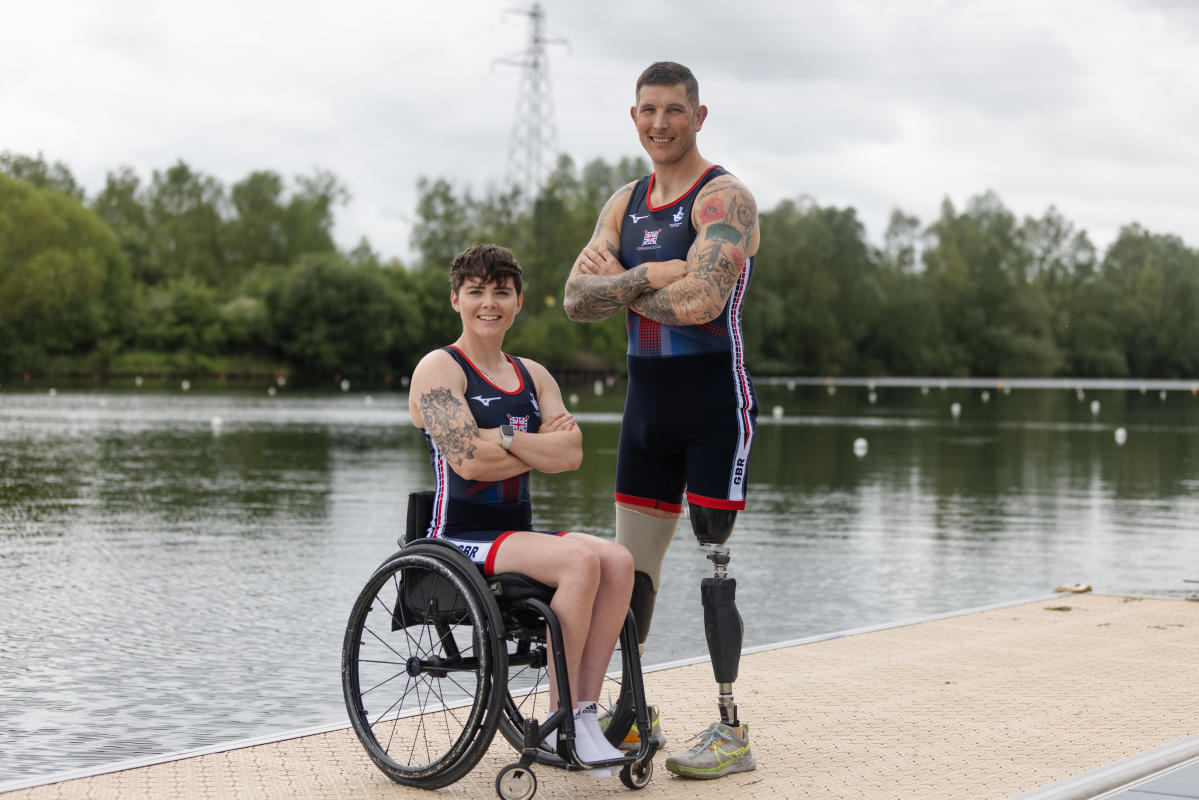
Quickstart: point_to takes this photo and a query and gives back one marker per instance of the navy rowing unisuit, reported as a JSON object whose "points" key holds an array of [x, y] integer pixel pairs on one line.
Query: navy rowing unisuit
{"points": [[691, 409], [475, 516]]}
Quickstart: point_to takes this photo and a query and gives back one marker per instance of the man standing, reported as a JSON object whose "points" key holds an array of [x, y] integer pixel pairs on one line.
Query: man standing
{"points": [[675, 250]]}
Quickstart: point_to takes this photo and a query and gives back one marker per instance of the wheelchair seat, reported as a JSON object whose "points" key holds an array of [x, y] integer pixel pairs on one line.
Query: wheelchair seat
{"points": [[507, 586]]}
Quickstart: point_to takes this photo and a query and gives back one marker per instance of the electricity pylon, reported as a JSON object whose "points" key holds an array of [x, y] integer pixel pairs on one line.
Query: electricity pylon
{"points": [[534, 138]]}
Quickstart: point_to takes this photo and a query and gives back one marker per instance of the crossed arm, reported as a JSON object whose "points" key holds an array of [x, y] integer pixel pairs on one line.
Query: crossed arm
{"points": [[689, 292], [438, 404]]}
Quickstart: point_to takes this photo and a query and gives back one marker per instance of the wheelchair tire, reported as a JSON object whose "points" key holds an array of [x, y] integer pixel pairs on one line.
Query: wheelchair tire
{"points": [[637, 775], [516, 783], [423, 673]]}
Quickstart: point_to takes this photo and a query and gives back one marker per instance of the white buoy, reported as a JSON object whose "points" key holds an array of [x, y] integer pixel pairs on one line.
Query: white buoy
{"points": [[345, 384], [956, 410], [872, 397], [53, 392], [860, 447], [944, 385], [281, 381], [186, 385], [216, 424], [777, 412], [985, 396], [1079, 393], [271, 391], [598, 387], [1121, 436], [1161, 395], [832, 390], [368, 400], [790, 386], [924, 390], [137, 381], [574, 399], [404, 381], [1094, 408]]}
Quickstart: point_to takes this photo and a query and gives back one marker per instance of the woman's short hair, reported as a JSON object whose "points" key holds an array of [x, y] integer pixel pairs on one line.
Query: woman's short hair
{"points": [[489, 263]]}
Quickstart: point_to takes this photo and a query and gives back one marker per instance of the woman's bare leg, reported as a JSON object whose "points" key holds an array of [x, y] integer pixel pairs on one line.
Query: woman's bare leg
{"points": [[572, 568], [607, 616]]}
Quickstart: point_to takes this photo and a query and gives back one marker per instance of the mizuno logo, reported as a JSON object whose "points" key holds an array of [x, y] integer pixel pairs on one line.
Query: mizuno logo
{"points": [[486, 401], [637, 219]]}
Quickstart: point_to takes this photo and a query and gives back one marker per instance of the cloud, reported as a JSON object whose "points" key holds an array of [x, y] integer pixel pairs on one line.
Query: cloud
{"points": [[1089, 106]]}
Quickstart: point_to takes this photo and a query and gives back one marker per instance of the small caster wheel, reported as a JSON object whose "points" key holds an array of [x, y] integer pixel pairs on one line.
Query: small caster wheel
{"points": [[637, 774], [516, 783]]}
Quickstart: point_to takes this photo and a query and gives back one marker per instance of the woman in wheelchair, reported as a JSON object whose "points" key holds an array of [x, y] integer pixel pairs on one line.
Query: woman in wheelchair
{"points": [[490, 419]]}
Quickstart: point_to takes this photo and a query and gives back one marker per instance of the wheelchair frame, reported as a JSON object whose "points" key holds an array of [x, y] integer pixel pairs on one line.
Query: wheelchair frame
{"points": [[425, 671]]}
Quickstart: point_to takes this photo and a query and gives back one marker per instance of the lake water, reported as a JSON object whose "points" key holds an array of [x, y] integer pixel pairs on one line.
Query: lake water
{"points": [[176, 568]]}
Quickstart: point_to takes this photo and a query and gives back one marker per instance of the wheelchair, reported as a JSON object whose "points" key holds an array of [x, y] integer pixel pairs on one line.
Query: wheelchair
{"points": [[436, 659]]}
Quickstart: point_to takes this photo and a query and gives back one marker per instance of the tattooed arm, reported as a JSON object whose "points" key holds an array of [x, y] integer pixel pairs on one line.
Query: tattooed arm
{"points": [[437, 403], [726, 220], [598, 286]]}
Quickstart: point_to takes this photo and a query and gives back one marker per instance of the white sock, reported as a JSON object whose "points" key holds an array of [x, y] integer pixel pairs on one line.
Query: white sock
{"points": [[588, 716], [590, 743]]}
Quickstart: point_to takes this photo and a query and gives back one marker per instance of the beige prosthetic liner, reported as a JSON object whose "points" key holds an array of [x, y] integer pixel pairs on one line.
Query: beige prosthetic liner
{"points": [[646, 538]]}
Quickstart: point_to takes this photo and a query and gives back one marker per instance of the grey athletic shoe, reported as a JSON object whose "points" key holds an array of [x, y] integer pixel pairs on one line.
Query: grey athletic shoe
{"points": [[718, 752]]}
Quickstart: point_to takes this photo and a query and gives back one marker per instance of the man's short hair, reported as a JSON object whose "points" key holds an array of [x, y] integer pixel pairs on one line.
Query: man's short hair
{"points": [[668, 73], [489, 263]]}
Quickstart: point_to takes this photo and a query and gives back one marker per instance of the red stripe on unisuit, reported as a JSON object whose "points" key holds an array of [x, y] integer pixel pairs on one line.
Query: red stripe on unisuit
{"points": [[646, 502]]}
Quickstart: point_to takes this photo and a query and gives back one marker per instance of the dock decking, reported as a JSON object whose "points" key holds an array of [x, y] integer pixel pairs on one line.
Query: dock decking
{"points": [[989, 704]]}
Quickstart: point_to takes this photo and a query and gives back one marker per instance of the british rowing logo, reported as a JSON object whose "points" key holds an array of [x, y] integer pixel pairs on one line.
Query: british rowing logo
{"points": [[649, 240], [518, 423]]}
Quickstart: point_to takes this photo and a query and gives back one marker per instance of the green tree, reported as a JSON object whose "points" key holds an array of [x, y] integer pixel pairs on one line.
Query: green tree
{"points": [[120, 205], [1156, 282], [185, 210], [815, 295], [999, 322], [36, 171], [330, 317], [64, 282]]}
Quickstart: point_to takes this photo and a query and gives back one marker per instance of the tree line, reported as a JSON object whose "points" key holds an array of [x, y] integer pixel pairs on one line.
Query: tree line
{"points": [[181, 274]]}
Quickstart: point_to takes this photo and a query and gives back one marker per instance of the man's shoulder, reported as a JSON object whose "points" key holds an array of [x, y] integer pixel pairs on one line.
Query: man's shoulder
{"points": [[725, 181]]}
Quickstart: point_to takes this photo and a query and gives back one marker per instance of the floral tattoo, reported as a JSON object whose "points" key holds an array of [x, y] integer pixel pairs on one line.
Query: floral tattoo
{"points": [[452, 428]]}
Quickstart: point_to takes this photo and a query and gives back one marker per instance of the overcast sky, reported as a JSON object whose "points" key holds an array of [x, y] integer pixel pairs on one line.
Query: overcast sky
{"points": [[1091, 106]]}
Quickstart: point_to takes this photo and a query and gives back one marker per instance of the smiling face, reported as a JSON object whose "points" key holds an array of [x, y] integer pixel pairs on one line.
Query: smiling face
{"points": [[667, 123], [487, 308]]}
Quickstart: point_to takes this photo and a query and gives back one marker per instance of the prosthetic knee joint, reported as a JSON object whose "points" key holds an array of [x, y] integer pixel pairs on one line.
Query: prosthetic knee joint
{"points": [[722, 622]]}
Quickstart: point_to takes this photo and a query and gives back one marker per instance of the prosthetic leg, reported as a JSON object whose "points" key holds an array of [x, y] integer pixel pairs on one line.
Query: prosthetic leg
{"points": [[724, 747], [722, 622]]}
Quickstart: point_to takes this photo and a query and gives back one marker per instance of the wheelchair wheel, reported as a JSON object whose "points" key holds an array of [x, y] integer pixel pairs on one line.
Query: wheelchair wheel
{"points": [[516, 783], [528, 695], [422, 671]]}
